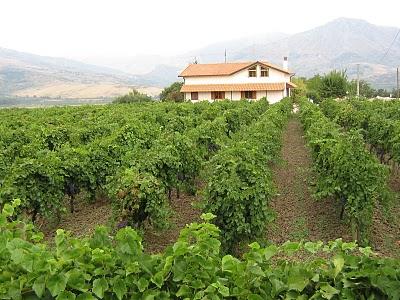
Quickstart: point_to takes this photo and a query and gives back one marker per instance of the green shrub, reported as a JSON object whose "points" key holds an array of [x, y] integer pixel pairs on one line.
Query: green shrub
{"points": [[133, 97]]}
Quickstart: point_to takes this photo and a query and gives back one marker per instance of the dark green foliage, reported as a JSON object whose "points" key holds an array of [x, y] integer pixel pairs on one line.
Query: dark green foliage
{"points": [[334, 85], [366, 90], [133, 97], [137, 197], [313, 88], [48, 155], [378, 121], [172, 93], [36, 180], [239, 180], [346, 169]]}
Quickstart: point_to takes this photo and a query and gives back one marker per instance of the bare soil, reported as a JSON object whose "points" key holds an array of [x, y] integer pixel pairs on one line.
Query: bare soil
{"points": [[183, 213], [385, 235], [299, 215], [89, 215], [394, 179], [82, 222]]}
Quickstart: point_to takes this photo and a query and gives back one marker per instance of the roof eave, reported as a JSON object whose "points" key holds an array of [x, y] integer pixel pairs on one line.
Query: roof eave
{"points": [[241, 69]]}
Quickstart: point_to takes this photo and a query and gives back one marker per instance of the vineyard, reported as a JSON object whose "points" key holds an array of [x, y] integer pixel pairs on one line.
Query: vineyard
{"points": [[144, 158], [137, 156], [347, 171], [378, 123]]}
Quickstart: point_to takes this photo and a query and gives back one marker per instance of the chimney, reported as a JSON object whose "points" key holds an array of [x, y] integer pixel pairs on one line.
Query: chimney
{"points": [[285, 63]]}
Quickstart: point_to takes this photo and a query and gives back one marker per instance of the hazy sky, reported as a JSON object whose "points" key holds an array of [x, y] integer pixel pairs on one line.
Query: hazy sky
{"points": [[84, 28]]}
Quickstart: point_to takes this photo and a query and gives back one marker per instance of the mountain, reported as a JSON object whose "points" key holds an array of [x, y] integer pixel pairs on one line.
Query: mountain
{"points": [[25, 74], [340, 44], [164, 70], [156, 64], [234, 48], [162, 75]]}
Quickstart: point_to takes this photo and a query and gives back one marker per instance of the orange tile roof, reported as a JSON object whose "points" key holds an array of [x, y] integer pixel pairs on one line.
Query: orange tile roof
{"points": [[223, 69], [238, 87]]}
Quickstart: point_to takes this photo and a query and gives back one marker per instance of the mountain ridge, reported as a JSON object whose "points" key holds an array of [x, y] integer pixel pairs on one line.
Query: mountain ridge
{"points": [[26, 74], [341, 43]]}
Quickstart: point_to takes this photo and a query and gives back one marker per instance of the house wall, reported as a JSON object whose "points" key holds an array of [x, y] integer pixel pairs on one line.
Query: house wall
{"points": [[261, 94], [272, 96], [202, 96], [236, 95], [240, 77], [275, 96]]}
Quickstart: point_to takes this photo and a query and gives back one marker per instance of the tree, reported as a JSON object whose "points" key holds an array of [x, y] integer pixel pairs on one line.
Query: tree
{"points": [[334, 85], [172, 93], [133, 96], [382, 93], [301, 90], [365, 89], [394, 93], [313, 88]]}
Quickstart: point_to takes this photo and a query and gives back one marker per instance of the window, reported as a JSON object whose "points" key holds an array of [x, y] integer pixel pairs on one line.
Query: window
{"points": [[253, 72], [248, 95], [264, 72], [194, 96], [217, 95]]}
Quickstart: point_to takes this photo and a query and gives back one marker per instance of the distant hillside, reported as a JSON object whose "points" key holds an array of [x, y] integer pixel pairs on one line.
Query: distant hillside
{"points": [[27, 74], [234, 48], [340, 44], [163, 70]]}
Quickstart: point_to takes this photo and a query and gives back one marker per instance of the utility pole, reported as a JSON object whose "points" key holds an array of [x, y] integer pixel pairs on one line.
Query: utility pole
{"points": [[398, 90], [225, 55], [358, 80]]}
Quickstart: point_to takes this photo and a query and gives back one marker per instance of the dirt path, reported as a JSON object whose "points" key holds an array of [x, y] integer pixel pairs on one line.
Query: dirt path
{"points": [[298, 214], [183, 212], [385, 235]]}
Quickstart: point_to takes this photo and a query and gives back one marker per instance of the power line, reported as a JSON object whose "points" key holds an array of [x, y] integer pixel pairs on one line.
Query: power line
{"points": [[390, 47]]}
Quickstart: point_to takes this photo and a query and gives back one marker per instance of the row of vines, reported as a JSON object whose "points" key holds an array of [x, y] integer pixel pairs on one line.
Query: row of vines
{"points": [[135, 154], [378, 122], [239, 180], [346, 170]]}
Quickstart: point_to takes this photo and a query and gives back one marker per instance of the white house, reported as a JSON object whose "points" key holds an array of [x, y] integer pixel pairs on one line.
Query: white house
{"points": [[235, 81]]}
